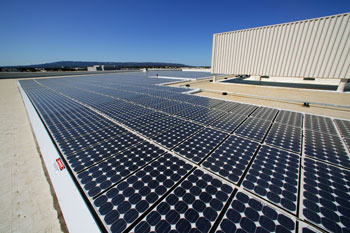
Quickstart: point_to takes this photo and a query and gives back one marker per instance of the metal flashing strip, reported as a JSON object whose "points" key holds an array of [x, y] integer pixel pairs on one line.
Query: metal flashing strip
{"points": [[77, 215]]}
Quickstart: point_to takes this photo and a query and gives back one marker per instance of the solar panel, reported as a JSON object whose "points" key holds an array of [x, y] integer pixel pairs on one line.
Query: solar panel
{"points": [[247, 214], [244, 109], [347, 142], [190, 113], [344, 127], [134, 185], [107, 173], [227, 106], [174, 136], [149, 100], [231, 158], [326, 148], [206, 102], [254, 129], [157, 127], [305, 228], [133, 114], [320, 124], [200, 145], [285, 137], [144, 120], [164, 105], [193, 206], [120, 206], [229, 122], [267, 114], [87, 123], [177, 108], [326, 196], [290, 118], [85, 158], [274, 175], [209, 116]]}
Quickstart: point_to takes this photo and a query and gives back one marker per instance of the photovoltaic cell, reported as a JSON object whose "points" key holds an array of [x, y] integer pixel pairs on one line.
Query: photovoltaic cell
{"points": [[193, 206], [85, 158], [290, 118], [103, 133], [123, 204], [209, 116], [326, 192], [254, 129], [84, 123], [190, 113], [72, 146], [144, 120], [267, 114], [200, 145], [107, 173], [177, 108], [326, 147], [285, 136], [244, 109], [229, 122], [231, 158], [164, 105], [347, 142], [274, 175], [344, 127], [132, 115], [227, 106], [247, 214], [306, 228], [174, 136], [320, 124], [159, 126]]}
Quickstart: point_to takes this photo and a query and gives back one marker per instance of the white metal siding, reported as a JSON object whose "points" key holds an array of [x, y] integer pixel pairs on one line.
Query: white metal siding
{"points": [[317, 48]]}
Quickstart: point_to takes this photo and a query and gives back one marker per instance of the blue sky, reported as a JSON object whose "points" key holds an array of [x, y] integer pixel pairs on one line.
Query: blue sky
{"points": [[33, 32]]}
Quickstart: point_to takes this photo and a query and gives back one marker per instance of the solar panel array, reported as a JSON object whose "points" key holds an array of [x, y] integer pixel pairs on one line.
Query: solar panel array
{"points": [[149, 158]]}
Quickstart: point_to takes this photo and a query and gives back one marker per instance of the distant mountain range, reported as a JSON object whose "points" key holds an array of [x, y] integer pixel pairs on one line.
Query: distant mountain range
{"points": [[83, 64]]}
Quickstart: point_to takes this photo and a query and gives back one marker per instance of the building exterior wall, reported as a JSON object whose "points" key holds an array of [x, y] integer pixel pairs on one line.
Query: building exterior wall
{"points": [[318, 48]]}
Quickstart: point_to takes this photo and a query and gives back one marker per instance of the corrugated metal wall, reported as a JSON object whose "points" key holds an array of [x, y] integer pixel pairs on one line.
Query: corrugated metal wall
{"points": [[317, 48]]}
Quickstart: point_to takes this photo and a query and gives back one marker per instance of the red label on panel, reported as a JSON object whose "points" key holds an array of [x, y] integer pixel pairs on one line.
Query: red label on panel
{"points": [[60, 164]]}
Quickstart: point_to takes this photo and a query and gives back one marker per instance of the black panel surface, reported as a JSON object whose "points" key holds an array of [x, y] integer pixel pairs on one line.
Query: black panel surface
{"points": [[123, 204], [159, 126], [254, 129], [326, 192], [227, 106], [174, 136], [274, 175], [247, 214], [229, 122], [267, 114], [200, 145], [326, 147], [209, 116], [193, 206], [320, 124], [285, 137], [85, 158], [344, 127], [244, 109], [290, 118], [231, 158], [103, 175]]}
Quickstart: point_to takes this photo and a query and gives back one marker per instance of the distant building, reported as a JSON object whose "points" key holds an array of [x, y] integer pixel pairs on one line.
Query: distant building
{"points": [[95, 68]]}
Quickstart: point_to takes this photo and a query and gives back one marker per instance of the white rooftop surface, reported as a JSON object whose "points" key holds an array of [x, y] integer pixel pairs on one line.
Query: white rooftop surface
{"points": [[26, 201]]}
